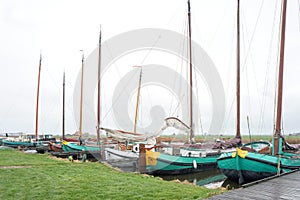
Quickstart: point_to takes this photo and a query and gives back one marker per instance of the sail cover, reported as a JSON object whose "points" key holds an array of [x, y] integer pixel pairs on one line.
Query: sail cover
{"points": [[125, 135], [176, 123]]}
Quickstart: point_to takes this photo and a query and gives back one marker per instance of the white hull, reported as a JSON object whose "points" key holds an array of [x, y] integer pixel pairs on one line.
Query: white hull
{"points": [[113, 155]]}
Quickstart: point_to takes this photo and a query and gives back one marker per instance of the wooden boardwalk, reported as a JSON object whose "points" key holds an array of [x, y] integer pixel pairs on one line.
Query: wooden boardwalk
{"points": [[282, 187]]}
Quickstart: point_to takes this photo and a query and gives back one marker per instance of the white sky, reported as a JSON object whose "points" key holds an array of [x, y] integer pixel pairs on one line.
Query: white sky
{"points": [[60, 28]]}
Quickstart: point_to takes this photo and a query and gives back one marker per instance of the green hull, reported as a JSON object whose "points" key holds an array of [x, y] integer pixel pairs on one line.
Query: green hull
{"points": [[72, 147], [168, 164], [16, 144], [255, 166]]}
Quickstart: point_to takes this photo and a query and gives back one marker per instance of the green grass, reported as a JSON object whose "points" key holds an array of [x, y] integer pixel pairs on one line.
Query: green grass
{"points": [[46, 178]]}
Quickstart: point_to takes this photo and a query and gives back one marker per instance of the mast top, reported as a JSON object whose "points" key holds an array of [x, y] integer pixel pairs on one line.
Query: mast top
{"points": [[100, 35], [82, 55], [189, 6]]}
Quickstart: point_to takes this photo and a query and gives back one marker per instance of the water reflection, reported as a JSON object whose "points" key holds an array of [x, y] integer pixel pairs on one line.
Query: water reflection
{"points": [[210, 179], [230, 185], [200, 178]]}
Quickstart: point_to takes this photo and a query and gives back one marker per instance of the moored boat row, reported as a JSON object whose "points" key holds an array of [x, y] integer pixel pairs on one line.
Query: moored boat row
{"points": [[241, 163], [245, 166]]}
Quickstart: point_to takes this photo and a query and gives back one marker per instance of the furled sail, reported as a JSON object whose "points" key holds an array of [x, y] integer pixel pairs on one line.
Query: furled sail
{"points": [[125, 135], [176, 123]]}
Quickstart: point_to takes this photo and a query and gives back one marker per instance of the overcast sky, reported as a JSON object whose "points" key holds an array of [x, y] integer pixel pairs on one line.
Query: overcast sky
{"points": [[60, 28]]}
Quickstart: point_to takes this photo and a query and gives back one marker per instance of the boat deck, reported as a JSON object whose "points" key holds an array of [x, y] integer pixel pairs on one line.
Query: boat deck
{"points": [[280, 187]]}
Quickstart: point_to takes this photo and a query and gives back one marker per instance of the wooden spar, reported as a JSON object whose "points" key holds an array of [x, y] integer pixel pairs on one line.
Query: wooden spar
{"points": [[63, 114], [37, 101], [137, 101], [238, 134], [249, 129], [81, 93], [102, 144], [277, 133], [99, 82], [191, 73]]}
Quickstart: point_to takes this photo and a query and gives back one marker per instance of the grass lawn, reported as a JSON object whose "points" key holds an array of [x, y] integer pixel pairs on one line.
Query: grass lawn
{"points": [[37, 176]]}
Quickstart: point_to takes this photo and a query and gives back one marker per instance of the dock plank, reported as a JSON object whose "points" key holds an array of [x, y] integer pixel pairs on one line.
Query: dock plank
{"points": [[284, 187]]}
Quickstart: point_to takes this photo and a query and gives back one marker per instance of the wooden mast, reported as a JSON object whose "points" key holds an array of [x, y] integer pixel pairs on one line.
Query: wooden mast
{"points": [[99, 82], [191, 73], [37, 101], [238, 134], [277, 133], [63, 114], [81, 93], [137, 100]]}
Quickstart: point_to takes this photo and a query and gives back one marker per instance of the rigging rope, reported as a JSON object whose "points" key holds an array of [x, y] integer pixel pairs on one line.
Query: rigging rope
{"points": [[229, 89], [119, 95], [299, 13], [69, 107], [245, 36], [248, 53], [197, 97], [44, 119], [256, 23], [142, 61], [198, 123], [266, 82], [119, 74], [180, 66]]}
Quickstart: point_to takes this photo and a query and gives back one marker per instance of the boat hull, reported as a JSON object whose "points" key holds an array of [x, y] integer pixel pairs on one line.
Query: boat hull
{"points": [[71, 140], [113, 154], [72, 147], [244, 167], [125, 160], [16, 144], [55, 147], [164, 164], [1, 143]]}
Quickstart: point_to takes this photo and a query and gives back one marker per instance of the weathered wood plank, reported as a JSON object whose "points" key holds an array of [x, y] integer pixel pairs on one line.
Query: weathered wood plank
{"points": [[283, 187]]}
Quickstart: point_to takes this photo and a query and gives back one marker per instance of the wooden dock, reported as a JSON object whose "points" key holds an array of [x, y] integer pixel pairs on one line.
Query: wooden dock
{"points": [[281, 187]]}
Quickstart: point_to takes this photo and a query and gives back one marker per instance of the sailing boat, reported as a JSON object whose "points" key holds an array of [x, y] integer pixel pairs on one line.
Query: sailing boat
{"points": [[32, 140], [40, 140], [29, 140], [244, 166], [120, 152], [195, 157], [73, 147], [53, 146]]}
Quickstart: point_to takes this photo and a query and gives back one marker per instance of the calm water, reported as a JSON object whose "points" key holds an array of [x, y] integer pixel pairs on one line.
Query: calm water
{"points": [[210, 179], [199, 178]]}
